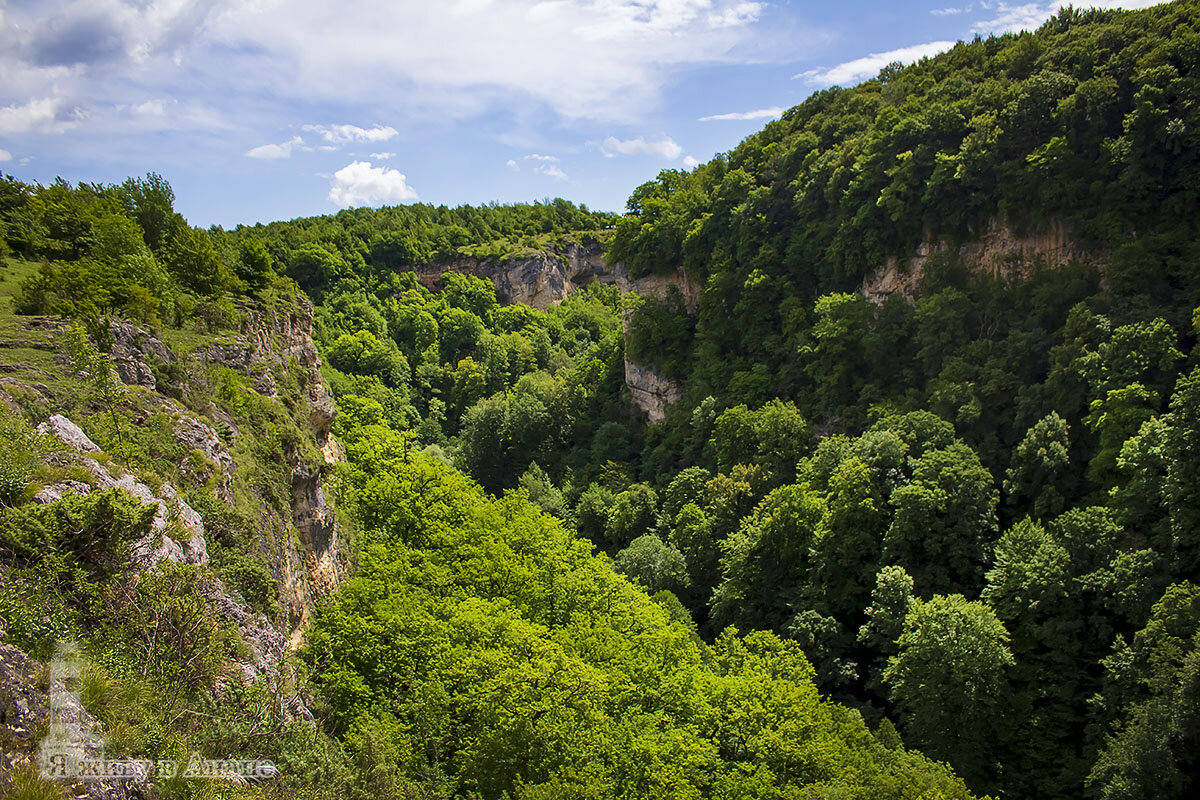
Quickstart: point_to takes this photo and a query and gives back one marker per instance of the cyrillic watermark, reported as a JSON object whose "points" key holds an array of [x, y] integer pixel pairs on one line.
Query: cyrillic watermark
{"points": [[70, 751]]}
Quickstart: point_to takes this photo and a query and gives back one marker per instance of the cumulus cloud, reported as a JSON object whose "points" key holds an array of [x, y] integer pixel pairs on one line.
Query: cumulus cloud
{"points": [[361, 184], [40, 115], [513, 165], [690, 161], [551, 170], [281, 150], [665, 147], [5, 155], [381, 156], [345, 134], [539, 157], [949, 12], [868, 66], [759, 113]]}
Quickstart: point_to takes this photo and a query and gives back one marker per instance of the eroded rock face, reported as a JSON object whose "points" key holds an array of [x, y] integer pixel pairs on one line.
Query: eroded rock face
{"points": [[998, 252], [547, 278], [650, 392], [132, 351], [70, 434]]}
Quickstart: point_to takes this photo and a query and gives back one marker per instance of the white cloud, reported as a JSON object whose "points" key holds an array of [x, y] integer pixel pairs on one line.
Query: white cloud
{"points": [[595, 59], [416, 60], [690, 161], [1030, 16], [552, 171], [151, 108], [665, 147], [949, 12], [740, 14], [760, 113], [512, 165], [345, 134], [5, 155], [361, 184], [44, 115], [868, 66], [539, 157], [381, 156], [281, 150], [1009, 19]]}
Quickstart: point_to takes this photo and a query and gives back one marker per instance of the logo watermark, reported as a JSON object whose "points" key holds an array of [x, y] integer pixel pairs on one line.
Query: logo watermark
{"points": [[71, 751]]}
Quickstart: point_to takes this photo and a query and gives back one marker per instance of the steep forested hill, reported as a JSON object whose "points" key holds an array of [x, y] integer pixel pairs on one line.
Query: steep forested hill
{"points": [[926, 488], [996, 528]]}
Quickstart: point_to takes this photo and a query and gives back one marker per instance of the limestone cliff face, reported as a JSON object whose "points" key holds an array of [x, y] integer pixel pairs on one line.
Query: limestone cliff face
{"points": [[999, 251], [538, 281], [547, 278], [650, 392], [302, 544]]}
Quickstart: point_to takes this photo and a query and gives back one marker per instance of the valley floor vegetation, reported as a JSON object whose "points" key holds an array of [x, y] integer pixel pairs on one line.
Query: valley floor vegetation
{"points": [[939, 544]]}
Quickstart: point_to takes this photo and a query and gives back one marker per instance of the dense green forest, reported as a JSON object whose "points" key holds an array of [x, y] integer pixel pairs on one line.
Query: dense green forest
{"points": [[960, 526]]}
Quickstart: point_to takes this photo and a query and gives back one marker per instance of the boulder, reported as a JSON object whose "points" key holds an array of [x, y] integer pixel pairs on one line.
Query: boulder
{"points": [[70, 433]]}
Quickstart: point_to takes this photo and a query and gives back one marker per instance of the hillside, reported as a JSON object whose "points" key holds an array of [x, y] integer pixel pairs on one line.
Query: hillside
{"points": [[859, 461], [247, 575]]}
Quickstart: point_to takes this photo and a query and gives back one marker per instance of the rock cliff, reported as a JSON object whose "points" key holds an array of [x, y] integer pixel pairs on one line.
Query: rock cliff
{"points": [[998, 251], [547, 278]]}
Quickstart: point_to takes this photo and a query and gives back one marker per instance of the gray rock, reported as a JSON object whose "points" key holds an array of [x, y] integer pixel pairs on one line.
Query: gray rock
{"points": [[58, 491], [131, 347], [194, 434], [70, 433], [650, 392], [155, 547]]}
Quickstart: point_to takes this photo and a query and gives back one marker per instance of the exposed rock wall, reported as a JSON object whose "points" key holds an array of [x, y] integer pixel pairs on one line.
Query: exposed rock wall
{"points": [[312, 562], [999, 252], [547, 278], [650, 392]]}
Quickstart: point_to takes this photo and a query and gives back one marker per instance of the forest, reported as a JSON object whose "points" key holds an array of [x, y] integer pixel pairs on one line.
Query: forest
{"points": [[939, 543]]}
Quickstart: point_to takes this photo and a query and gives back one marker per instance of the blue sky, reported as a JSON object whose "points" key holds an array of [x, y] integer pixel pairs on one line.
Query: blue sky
{"points": [[258, 110]]}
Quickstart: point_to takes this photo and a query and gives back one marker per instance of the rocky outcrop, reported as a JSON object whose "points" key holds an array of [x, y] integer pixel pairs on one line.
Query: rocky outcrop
{"points": [[547, 278], [133, 350], [197, 435], [650, 392], [538, 281], [70, 433], [177, 531], [999, 252]]}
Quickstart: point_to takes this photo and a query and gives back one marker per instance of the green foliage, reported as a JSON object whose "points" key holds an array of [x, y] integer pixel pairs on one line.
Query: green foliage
{"points": [[484, 644], [660, 333], [948, 677], [1151, 690], [653, 564], [943, 520], [22, 454], [1039, 464], [362, 353], [60, 560]]}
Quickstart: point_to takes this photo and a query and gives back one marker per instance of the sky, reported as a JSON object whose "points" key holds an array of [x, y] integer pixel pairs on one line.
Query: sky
{"points": [[258, 110]]}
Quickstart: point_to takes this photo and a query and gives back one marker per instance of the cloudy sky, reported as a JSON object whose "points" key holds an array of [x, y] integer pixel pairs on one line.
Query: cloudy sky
{"points": [[257, 110]]}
